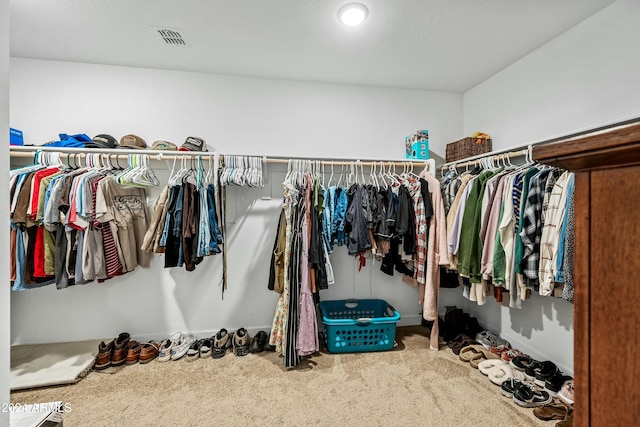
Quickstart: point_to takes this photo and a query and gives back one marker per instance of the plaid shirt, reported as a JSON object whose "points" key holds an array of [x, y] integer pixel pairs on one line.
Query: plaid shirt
{"points": [[420, 256], [532, 229]]}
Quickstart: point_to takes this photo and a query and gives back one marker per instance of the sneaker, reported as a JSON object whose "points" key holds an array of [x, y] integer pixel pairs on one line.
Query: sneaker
{"points": [[182, 347], [539, 372], [222, 341], [511, 354], [193, 352], [554, 384], [206, 345], [566, 392], [120, 349], [166, 347], [488, 339], [508, 387], [105, 352], [522, 362], [241, 342], [528, 395]]}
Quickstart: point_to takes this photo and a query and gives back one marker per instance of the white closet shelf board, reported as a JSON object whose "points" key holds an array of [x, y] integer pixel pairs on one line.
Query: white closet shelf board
{"points": [[43, 365]]}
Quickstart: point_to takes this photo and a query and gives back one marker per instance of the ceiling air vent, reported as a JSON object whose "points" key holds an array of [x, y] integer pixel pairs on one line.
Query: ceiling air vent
{"points": [[172, 36]]}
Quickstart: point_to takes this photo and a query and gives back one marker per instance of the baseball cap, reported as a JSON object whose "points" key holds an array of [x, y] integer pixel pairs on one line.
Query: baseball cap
{"points": [[193, 143], [132, 141], [164, 145], [102, 141]]}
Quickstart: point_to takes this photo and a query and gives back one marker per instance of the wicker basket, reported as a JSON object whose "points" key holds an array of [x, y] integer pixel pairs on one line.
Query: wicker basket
{"points": [[467, 147]]}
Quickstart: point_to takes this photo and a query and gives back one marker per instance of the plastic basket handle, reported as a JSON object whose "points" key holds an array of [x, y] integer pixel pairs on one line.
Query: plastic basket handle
{"points": [[390, 310], [351, 303], [363, 321]]}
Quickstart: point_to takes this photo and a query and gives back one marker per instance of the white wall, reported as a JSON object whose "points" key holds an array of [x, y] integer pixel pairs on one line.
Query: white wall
{"points": [[235, 115], [4, 165], [585, 78]]}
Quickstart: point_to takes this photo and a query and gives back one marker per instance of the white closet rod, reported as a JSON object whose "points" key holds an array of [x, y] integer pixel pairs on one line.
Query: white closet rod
{"points": [[497, 154], [28, 152]]}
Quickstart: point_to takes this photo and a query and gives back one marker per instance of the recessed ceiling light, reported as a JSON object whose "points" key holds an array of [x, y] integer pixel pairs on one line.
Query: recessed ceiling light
{"points": [[352, 14]]}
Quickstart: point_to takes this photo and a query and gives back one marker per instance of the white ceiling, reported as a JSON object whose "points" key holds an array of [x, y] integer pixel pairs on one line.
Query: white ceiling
{"points": [[448, 45]]}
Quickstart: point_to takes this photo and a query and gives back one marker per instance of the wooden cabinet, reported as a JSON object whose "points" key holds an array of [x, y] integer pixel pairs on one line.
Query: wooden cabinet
{"points": [[607, 272]]}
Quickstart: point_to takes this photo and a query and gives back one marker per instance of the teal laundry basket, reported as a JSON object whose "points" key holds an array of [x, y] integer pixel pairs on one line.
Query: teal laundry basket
{"points": [[359, 325]]}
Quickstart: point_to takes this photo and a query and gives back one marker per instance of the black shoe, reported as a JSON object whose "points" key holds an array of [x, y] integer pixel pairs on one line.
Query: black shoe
{"points": [[529, 396], [555, 383], [258, 342], [269, 347], [509, 386], [545, 371], [522, 362]]}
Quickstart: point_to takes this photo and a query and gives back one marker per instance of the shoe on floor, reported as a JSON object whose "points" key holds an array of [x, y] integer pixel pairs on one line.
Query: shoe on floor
{"points": [[120, 349], [567, 422], [206, 344], [193, 352], [258, 342], [105, 352], [509, 386], [488, 339], [522, 362], [166, 347], [484, 355], [554, 384], [539, 372], [511, 354], [528, 395], [149, 351], [566, 392], [501, 373], [241, 342], [222, 341], [133, 352], [181, 348], [267, 346], [486, 365], [554, 410]]}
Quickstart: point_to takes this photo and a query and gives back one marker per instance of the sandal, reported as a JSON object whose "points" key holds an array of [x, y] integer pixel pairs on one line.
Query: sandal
{"points": [[487, 365], [501, 373], [555, 410], [484, 355], [470, 352]]}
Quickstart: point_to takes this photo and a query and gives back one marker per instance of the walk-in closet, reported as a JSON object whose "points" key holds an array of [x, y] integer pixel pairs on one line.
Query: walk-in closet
{"points": [[319, 213]]}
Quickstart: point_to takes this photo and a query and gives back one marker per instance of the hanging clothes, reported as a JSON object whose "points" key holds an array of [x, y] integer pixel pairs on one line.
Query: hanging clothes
{"points": [[495, 226], [64, 221]]}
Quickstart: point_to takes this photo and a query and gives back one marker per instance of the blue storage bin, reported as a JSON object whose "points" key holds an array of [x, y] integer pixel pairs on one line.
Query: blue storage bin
{"points": [[15, 137], [353, 326]]}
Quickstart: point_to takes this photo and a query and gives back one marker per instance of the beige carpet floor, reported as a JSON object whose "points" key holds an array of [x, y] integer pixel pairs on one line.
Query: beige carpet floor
{"points": [[410, 385]]}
